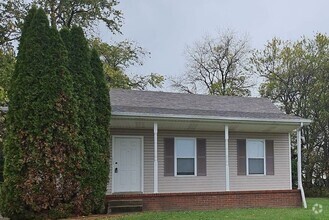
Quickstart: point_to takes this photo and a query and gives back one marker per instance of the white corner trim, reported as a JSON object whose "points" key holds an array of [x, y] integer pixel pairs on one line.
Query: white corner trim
{"points": [[227, 168], [156, 190]]}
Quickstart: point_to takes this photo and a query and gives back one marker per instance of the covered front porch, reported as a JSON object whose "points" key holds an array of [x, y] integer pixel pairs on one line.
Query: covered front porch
{"points": [[221, 136]]}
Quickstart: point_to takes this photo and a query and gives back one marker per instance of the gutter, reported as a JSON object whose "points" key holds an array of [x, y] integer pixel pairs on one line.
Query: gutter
{"points": [[205, 118], [300, 182]]}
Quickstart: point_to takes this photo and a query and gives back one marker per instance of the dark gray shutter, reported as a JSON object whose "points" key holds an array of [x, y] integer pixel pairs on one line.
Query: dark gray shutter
{"points": [[169, 148], [241, 156], [269, 157], [201, 157]]}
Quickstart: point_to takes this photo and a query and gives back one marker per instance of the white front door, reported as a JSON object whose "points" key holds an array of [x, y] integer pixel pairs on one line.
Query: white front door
{"points": [[127, 164]]}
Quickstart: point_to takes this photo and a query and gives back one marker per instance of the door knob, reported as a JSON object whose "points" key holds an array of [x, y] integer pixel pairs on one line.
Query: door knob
{"points": [[116, 170]]}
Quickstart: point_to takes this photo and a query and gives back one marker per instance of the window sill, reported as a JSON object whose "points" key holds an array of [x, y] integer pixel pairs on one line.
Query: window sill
{"points": [[185, 175]]}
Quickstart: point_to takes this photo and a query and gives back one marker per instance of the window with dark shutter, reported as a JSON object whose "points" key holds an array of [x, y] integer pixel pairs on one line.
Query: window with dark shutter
{"points": [[169, 149], [241, 156], [185, 152], [269, 157], [201, 157], [255, 156]]}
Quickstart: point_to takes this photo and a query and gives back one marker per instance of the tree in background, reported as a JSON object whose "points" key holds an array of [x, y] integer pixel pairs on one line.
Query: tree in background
{"points": [[12, 14], [83, 13], [62, 13], [217, 66], [43, 158], [296, 78], [86, 14], [102, 137], [120, 56]]}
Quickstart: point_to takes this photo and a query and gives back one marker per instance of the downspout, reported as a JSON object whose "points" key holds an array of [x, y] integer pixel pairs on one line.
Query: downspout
{"points": [[299, 165], [227, 168]]}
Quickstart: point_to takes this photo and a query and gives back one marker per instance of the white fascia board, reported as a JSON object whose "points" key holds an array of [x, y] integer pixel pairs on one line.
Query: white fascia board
{"points": [[208, 118]]}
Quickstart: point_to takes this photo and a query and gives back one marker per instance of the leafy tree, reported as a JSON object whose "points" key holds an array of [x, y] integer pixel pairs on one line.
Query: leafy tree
{"points": [[296, 78], [120, 56], [43, 158], [12, 14], [103, 113], [62, 13], [217, 66], [85, 91], [83, 13]]}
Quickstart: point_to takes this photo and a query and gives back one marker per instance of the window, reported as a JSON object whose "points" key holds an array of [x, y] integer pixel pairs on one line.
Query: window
{"points": [[256, 156], [185, 150]]}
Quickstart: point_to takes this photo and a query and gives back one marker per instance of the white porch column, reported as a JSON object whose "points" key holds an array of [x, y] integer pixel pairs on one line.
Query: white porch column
{"points": [[227, 168], [155, 183], [299, 158], [290, 172]]}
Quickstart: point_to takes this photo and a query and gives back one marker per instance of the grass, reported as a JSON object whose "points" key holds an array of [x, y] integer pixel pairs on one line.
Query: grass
{"points": [[262, 213]]}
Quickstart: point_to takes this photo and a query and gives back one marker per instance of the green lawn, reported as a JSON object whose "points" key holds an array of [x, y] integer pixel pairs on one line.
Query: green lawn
{"points": [[272, 213]]}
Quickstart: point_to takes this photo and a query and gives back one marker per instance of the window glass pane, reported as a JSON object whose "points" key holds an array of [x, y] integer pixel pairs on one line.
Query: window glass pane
{"points": [[255, 149], [185, 148], [256, 166], [185, 166]]}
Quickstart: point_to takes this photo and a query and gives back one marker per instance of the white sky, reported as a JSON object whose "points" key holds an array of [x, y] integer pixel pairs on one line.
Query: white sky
{"points": [[166, 27]]}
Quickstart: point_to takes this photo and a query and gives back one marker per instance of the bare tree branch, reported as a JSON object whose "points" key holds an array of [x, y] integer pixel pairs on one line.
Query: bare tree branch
{"points": [[217, 66]]}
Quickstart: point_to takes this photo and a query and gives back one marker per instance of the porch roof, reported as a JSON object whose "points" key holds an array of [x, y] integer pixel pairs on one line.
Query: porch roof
{"points": [[199, 109]]}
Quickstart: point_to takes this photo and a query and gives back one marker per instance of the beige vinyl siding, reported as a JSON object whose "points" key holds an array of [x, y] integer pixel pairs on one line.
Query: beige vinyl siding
{"points": [[281, 177], [215, 179]]}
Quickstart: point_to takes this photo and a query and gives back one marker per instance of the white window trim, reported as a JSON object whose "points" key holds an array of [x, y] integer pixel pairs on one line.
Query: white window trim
{"points": [[247, 156], [195, 156]]}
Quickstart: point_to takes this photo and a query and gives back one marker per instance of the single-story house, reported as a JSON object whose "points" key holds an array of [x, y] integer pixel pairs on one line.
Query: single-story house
{"points": [[176, 151]]}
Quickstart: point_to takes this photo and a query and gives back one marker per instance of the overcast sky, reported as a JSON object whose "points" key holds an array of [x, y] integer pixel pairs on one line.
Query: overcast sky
{"points": [[166, 27]]}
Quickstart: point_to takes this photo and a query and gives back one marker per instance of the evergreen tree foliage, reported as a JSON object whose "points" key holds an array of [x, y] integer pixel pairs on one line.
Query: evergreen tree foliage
{"points": [[43, 158], [21, 52], [84, 89], [103, 113]]}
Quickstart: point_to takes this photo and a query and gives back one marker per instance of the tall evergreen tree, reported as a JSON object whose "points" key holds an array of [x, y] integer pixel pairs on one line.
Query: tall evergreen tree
{"points": [[21, 52], [103, 113], [84, 89], [43, 158]]}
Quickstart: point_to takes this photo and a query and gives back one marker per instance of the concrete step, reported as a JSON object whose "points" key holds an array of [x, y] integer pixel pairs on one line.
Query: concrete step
{"points": [[117, 206]]}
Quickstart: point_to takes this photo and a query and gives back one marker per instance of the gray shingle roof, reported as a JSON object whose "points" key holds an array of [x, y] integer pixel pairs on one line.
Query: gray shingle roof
{"points": [[165, 103]]}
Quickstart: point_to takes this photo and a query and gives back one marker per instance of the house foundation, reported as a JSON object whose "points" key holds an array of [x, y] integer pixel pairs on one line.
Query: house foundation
{"points": [[213, 200]]}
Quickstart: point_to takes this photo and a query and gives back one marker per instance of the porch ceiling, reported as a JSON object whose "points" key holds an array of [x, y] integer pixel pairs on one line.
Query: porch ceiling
{"points": [[202, 125]]}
